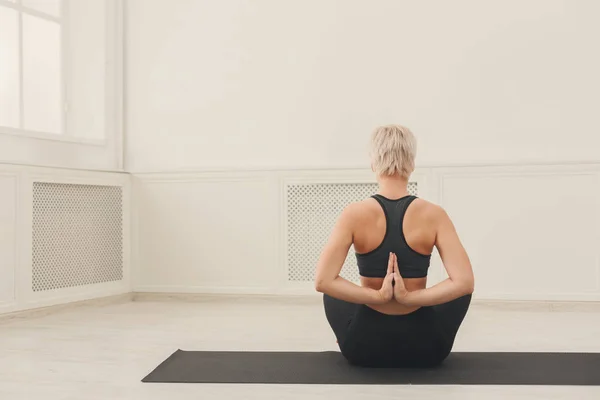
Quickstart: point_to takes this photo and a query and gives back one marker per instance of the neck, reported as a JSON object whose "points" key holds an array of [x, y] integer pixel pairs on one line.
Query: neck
{"points": [[393, 187]]}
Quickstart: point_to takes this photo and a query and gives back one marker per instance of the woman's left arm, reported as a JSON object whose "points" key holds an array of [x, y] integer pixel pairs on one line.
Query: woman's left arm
{"points": [[460, 281], [330, 264]]}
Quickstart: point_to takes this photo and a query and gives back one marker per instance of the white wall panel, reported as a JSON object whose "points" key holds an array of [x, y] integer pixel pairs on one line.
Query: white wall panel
{"points": [[530, 235], [532, 232], [198, 234], [8, 236]]}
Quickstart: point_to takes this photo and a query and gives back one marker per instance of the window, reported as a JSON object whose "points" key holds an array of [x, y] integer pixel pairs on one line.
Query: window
{"points": [[32, 85], [61, 80]]}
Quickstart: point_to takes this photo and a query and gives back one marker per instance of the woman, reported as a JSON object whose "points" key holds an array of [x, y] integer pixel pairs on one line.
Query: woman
{"points": [[392, 319]]}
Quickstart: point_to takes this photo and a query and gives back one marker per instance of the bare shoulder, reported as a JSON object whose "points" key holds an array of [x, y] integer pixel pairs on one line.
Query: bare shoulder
{"points": [[359, 209], [433, 216], [428, 210], [360, 212]]}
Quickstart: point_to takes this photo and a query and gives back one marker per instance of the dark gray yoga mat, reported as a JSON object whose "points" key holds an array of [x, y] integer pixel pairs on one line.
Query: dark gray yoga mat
{"points": [[332, 368]]}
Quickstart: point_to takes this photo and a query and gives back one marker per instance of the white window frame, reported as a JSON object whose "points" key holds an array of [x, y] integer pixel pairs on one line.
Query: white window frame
{"points": [[66, 135]]}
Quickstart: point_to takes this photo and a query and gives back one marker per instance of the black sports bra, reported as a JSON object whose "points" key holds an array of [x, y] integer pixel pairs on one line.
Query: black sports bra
{"points": [[410, 263]]}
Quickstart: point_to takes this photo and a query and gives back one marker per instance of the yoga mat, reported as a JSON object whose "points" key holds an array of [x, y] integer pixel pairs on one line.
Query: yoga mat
{"points": [[331, 368]]}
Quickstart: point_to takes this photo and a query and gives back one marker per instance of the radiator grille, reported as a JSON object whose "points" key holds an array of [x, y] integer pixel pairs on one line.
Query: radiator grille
{"points": [[312, 210], [77, 235]]}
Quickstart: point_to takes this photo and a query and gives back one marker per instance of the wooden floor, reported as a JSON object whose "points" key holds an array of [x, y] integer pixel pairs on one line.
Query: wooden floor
{"points": [[102, 352]]}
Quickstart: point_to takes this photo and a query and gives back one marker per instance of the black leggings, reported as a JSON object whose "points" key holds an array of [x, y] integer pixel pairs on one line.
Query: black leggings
{"points": [[423, 338]]}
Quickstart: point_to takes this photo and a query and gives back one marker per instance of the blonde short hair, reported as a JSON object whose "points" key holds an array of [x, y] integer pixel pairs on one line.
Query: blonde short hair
{"points": [[393, 151]]}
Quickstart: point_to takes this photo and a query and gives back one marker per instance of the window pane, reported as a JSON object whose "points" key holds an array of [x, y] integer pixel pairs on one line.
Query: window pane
{"points": [[51, 7], [9, 68], [41, 75], [86, 62]]}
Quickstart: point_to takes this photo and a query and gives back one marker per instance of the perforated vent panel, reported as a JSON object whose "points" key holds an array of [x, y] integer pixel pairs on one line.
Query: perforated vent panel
{"points": [[312, 210], [77, 235]]}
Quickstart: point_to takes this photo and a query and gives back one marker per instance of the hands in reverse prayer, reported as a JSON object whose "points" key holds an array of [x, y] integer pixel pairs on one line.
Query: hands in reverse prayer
{"points": [[393, 285]]}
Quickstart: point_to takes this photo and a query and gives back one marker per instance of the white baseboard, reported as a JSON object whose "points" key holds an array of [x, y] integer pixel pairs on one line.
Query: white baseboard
{"points": [[219, 297], [59, 301], [33, 312], [307, 289], [541, 297], [249, 290]]}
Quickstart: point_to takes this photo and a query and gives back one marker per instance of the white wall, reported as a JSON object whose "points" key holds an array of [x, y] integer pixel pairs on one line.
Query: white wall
{"points": [[300, 84], [273, 90]]}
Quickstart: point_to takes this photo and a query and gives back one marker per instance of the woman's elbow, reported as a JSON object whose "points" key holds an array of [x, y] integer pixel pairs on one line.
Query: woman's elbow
{"points": [[468, 286], [323, 284], [320, 285]]}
